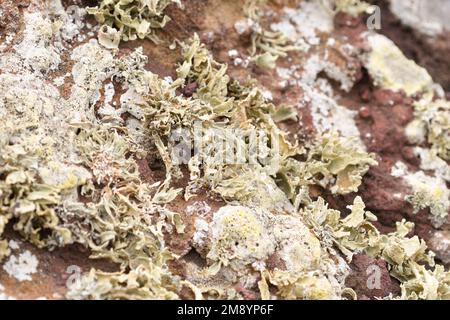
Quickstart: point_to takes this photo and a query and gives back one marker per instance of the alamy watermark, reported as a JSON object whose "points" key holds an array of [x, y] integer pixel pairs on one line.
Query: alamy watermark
{"points": [[374, 275], [223, 146]]}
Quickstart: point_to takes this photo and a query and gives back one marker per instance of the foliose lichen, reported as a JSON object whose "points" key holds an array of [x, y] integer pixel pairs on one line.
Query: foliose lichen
{"points": [[130, 19]]}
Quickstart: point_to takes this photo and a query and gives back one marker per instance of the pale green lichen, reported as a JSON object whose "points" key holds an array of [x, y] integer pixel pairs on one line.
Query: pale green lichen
{"points": [[54, 151], [216, 110], [305, 286], [266, 46], [147, 281], [332, 156], [332, 161], [240, 236], [252, 8], [29, 194], [130, 19], [406, 257], [352, 7], [120, 224]]}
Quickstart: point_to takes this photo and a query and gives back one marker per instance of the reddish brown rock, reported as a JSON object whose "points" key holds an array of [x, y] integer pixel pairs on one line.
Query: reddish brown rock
{"points": [[370, 278]]}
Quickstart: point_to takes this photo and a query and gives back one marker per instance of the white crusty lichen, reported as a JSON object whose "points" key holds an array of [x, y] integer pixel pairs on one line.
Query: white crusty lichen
{"points": [[36, 48], [304, 24], [93, 65], [21, 266], [429, 18], [430, 161], [319, 95], [432, 125], [427, 192]]}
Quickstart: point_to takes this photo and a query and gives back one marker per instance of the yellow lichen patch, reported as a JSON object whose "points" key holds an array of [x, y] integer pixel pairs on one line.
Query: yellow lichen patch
{"points": [[243, 239], [390, 69], [239, 237], [427, 285]]}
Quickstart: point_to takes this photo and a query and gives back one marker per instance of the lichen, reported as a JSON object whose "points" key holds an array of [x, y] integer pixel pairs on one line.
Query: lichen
{"points": [[26, 194], [390, 69], [239, 236], [428, 192], [407, 257], [243, 239], [432, 193], [427, 285], [266, 46], [332, 162], [130, 20], [4, 249], [70, 172], [21, 266], [422, 16], [431, 124], [120, 224], [352, 7]]}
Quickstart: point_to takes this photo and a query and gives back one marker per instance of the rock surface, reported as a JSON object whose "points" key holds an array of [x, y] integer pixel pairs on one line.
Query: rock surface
{"points": [[331, 86]]}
